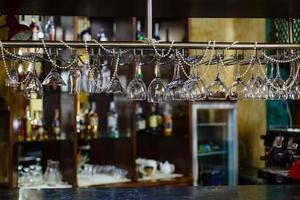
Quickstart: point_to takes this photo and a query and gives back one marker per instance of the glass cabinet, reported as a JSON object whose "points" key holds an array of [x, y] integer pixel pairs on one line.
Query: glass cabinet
{"points": [[215, 153]]}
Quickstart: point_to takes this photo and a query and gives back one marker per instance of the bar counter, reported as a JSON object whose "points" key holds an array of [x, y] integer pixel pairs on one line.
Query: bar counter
{"points": [[258, 192]]}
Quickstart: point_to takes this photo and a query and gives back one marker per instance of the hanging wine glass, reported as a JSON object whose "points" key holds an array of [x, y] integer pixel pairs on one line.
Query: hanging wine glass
{"points": [[94, 76], [33, 86], [270, 83], [54, 78], [256, 86], [237, 89], [294, 91], [175, 90], [13, 79], [279, 85], [74, 79], [194, 88], [156, 89], [115, 86], [217, 90], [136, 89]]}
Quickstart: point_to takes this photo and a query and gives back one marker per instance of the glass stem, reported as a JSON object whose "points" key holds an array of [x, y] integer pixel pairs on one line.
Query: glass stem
{"points": [[157, 70]]}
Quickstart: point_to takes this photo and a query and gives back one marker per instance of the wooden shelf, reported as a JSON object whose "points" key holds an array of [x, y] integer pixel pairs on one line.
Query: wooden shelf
{"points": [[183, 181], [213, 153], [161, 9]]}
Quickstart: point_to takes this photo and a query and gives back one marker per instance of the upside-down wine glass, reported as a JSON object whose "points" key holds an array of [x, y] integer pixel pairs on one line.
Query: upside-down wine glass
{"points": [[74, 80], [294, 91], [94, 76], [13, 79], [175, 90], [256, 86], [238, 88], [279, 86], [217, 90], [33, 86], [156, 89], [115, 86], [136, 89]]}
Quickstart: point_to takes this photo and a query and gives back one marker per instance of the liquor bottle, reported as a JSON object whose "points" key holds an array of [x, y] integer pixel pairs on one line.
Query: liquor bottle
{"points": [[139, 33], [37, 126], [153, 120], [86, 34], [101, 36], [80, 123], [93, 123], [28, 130], [168, 122], [50, 29], [106, 75], [35, 29], [43, 135], [113, 131], [156, 31], [21, 128], [140, 120], [56, 125]]}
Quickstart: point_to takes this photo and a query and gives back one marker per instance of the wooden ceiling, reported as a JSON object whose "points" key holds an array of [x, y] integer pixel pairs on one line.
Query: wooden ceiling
{"points": [[161, 8]]}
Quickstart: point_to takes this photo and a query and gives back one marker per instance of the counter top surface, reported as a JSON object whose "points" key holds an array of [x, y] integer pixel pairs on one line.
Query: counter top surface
{"points": [[260, 192]]}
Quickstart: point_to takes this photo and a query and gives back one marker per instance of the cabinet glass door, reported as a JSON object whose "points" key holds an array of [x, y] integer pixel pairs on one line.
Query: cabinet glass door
{"points": [[215, 144]]}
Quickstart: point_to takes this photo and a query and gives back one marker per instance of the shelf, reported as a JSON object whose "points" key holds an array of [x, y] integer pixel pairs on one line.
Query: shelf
{"points": [[42, 141], [44, 186], [216, 124], [182, 181], [98, 180], [160, 176], [161, 9], [214, 153]]}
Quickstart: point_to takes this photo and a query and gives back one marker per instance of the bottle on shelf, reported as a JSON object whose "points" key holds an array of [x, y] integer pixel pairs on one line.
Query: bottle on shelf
{"points": [[156, 31], [113, 131], [93, 123], [56, 125], [106, 75], [37, 127], [35, 29], [153, 121], [139, 33], [86, 34], [141, 124], [81, 122], [21, 121], [167, 120], [28, 130], [160, 120], [50, 29], [101, 36]]}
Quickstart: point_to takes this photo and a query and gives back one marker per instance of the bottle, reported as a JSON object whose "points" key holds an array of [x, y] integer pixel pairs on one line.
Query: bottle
{"points": [[86, 34], [106, 75], [28, 130], [35, 29], [50, 29], [56, 125], [139, 34], [21, 128], [113, 131], [101, 36], [80, 123], [168, 122], [153, 120], [93, 123], [156, 31], [37, 125], [140, 120]]}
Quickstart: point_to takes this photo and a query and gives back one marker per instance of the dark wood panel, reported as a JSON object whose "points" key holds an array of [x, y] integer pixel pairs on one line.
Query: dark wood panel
{"points": [[108, 151], [161, 8]]}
